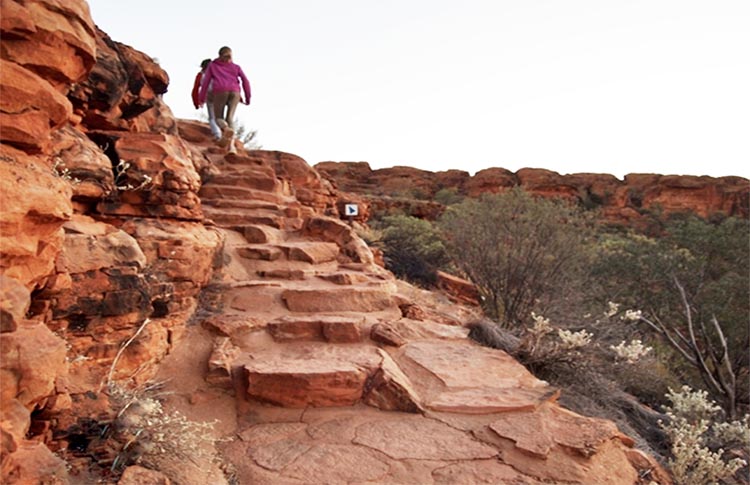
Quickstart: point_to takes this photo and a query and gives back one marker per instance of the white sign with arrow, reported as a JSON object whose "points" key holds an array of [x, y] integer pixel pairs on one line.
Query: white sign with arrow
{"points": [[351, 210]]}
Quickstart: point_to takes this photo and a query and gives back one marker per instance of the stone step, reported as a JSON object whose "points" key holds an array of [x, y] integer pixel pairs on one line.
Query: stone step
{"points": [[331, 328], [250, 179], [339, 299], [242, 204], [311, 252], [233, 217], [260, 234], [318, 374], [303, 375], [229, 192]]}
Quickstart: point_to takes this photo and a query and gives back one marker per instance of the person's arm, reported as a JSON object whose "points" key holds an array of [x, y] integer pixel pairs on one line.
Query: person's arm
{"points": [[203, 93], [196, 88], [245, 85]]}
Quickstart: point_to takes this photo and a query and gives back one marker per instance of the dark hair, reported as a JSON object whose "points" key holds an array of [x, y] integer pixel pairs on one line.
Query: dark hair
{"points": [[224, 50], [205, 63]]}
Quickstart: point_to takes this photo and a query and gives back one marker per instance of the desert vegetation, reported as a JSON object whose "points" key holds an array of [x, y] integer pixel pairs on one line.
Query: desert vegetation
{"points": [[617, 317]]}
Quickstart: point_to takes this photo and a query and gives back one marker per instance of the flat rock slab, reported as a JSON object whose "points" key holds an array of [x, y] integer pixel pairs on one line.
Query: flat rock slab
{"points": [[474, 379], [421, 439], [538, 432], [311, 252], [350, 299]]}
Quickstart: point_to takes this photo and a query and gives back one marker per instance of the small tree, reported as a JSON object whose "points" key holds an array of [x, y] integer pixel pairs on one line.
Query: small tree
{"points": [[412, 248], [521, 252]]}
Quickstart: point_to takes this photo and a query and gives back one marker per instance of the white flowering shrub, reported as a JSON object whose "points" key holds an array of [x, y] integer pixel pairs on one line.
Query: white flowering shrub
{"points": [[632, 352], [121, 182], [612, 309], [631, 315], [541, 325], [64, 172], [574, 340], [150, 435], [692, 428]]}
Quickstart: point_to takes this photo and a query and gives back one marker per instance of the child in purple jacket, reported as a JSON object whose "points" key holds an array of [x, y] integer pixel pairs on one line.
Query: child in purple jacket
{"points": [[224, 77]]}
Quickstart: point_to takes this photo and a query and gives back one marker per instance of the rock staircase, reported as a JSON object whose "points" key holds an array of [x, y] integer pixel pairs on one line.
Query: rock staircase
{"points": [[342, 374]]}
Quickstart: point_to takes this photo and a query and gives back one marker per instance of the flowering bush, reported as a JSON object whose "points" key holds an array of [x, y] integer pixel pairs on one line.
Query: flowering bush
{"points": [[632, 352], [574, 340], [692, 430], [151, 435]]}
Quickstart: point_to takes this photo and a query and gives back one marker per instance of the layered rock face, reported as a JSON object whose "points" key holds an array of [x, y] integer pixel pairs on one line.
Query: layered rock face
{"points": [[620, 201], [120, 224], [101, 230]]}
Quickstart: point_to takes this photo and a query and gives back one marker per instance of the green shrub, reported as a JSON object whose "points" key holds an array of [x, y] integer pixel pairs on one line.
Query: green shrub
{"points": [[412, 248], [448, 196], [522, 252]]}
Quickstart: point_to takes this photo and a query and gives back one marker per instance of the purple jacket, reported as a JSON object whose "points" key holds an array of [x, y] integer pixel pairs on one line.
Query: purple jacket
{"points": [[225, 77]]}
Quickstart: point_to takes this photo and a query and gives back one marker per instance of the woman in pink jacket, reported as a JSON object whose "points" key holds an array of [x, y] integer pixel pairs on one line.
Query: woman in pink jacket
{"points": [[224, 77]]}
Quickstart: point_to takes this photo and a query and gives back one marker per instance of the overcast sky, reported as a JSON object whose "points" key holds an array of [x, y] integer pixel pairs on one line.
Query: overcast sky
{"points": [[606, 86]]}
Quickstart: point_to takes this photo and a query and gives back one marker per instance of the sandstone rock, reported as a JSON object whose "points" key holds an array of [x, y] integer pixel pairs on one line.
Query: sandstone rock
{"points": [[458, 289], [339, 463], [474, 380], [221, 361], [121, 87], [30, 108], [332, 230], [233, 325], [15, 420], [420, 439], [311, 252], [311, 376], [32, 358], [309, 187], [386, 334], [620, 200], [14, 303], [90, 245], [35, 204], [488, 472], [34, 463], [79, 158], [157, 178], [54, 40], [342, 330], [137, 475], [389, 389], [354, 299]]}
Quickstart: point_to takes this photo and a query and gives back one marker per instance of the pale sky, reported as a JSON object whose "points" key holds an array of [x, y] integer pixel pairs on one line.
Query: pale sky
{"points": [[605, 86]]}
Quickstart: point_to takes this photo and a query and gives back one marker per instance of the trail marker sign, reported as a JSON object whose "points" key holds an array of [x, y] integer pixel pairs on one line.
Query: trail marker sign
{"points": [[351, 210]]}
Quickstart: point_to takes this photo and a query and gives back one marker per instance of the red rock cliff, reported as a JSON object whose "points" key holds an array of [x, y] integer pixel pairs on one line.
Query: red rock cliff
{"points": [[621, 201]]}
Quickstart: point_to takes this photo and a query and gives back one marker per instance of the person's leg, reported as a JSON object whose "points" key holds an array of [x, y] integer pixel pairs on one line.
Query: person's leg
{"points": [[220, 100], [211, 117], [233, 99]]}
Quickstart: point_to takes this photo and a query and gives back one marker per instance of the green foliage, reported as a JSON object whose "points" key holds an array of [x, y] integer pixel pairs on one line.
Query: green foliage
{"points": [[412, 248], [448, 196], [711, 262], [522, 252]]}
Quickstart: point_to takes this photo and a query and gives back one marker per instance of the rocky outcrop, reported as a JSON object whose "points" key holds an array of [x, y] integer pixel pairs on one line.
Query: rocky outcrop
{"points": [[101, 230], [120, 224], [413, 191]]}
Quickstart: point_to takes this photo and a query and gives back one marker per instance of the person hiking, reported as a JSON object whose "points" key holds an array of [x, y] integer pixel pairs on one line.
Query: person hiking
{"points": [[224, 76], [209, 98]]}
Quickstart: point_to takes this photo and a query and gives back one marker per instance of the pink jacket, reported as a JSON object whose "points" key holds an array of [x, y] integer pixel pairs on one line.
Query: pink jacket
{"points": [[225, 77]]}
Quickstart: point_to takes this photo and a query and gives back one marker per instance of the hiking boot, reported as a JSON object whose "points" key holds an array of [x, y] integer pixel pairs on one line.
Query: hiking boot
{"points": [[227, 134]]}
